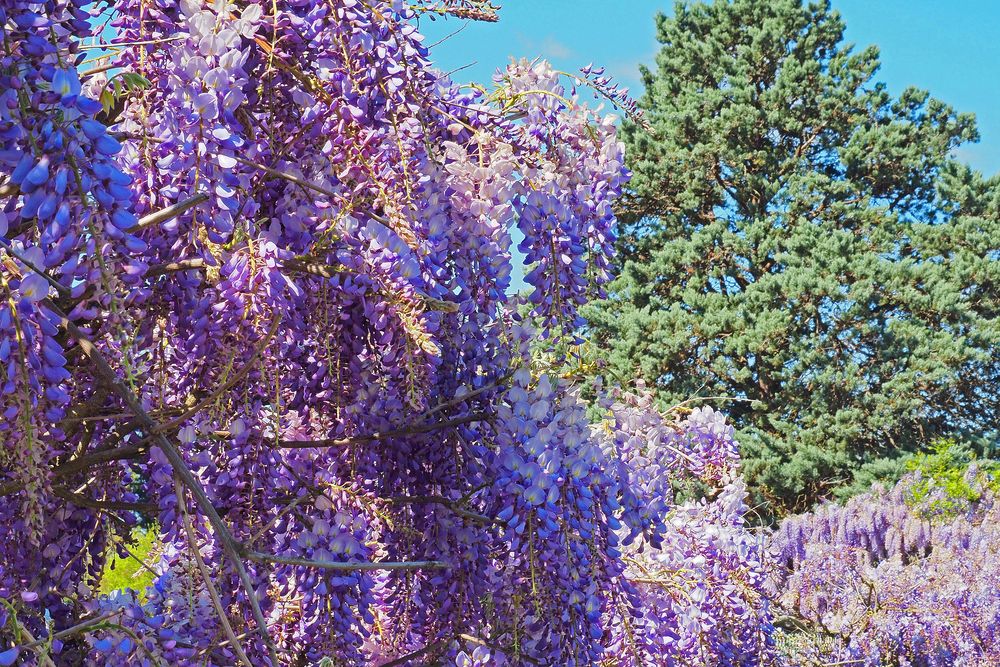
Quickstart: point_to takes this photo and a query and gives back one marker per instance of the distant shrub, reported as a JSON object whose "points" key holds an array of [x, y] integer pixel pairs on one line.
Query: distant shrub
{"points": [[947, 476], [901, 575], [127, 571], [947, 480]]}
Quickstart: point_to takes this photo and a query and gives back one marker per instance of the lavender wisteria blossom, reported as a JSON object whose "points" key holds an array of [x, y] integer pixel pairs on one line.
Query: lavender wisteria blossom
{"points": [[259, 298], [889, 577], [256, 262], [65, 218], [698, 569]]}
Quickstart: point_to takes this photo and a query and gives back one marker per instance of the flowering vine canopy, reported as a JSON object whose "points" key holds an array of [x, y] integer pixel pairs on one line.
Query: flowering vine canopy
{"points": [[256, 262]]}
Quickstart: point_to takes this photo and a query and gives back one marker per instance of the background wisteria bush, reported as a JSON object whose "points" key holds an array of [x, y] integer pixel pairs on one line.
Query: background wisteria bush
{"points": [[905, 575], [256, 322]]}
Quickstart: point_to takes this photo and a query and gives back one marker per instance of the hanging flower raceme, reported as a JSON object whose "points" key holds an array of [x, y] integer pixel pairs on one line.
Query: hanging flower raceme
{"points": [[908, 570], [698, 569], [65, 214], [558, 520], [565, 212]]}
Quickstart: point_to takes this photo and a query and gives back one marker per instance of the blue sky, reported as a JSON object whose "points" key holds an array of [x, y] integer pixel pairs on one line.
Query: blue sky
{"points": [[950, 48]]}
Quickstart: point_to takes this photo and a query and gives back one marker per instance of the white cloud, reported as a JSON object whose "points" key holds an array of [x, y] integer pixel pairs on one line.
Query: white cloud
{"points": [[548, 47]]}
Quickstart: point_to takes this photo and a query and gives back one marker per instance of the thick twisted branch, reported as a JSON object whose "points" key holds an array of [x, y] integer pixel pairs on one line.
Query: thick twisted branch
{"points": [[356, 566], [230, 545]]}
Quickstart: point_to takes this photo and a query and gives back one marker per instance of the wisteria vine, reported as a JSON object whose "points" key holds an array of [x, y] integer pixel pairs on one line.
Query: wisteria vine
{"points": [[256, 258]]}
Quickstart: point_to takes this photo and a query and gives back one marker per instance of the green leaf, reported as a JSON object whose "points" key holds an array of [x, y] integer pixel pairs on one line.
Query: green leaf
{"points": [[107, 100], [134, 81]]}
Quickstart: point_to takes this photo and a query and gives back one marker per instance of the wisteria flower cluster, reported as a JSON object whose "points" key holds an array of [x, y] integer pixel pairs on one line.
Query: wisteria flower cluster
{"points": [[886, 578], [604, 86], [698, 568]]}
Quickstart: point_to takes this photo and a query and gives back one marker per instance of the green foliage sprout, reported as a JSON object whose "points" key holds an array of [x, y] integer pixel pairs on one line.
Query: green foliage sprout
{"points": [[127, 572], [948, 479]]}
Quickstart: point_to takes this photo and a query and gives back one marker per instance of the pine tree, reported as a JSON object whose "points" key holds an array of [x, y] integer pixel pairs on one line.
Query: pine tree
{"points": [[800, 239]]}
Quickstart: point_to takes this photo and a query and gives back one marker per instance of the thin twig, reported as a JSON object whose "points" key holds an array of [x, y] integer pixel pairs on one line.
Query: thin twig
{"points": [[120, 45], [292, 178], [101, 456], [206, 575], [171, 212], [80, 627], [465, 397], [97, 70], [142, 563], [62, 289], [407, 430], [355, 566], [105, 505], [459, 69], [179, 265], [454, 506], [225, 642], [449, 35], [695, 399], [288, 176], [284, 510]]}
